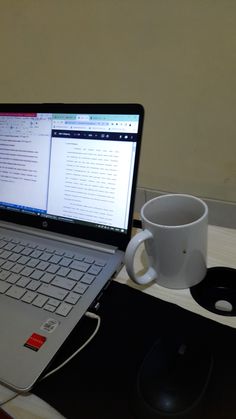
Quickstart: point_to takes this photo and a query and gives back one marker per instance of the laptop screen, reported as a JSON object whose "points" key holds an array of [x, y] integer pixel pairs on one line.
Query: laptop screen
{"points": [[71, 167]]}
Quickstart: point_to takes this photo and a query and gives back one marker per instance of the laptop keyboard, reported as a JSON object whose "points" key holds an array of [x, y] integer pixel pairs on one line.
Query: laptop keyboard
{"points": [[47, 278]]}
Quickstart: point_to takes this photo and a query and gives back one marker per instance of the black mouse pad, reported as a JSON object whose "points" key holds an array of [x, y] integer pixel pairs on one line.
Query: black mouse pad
{"points": [[100, 382]]}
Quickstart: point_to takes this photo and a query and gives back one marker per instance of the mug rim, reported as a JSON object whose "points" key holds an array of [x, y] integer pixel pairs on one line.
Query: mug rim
{"points": [[205, 213]]}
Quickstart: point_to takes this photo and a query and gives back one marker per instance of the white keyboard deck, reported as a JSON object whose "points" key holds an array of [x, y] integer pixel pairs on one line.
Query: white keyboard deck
{"points": [[45, 277]]}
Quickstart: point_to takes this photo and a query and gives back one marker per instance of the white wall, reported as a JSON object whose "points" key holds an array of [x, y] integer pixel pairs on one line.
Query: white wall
{"points": [[176, 57]]}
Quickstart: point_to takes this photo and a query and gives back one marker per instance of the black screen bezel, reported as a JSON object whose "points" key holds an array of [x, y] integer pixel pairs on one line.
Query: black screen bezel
{"points": [[77, 230]]}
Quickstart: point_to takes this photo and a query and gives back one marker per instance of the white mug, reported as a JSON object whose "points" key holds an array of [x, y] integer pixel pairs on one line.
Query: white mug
{"points": [[175, 237]]}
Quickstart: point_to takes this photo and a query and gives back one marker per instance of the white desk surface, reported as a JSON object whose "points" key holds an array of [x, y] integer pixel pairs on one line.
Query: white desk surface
{"points": [[221, 252]]}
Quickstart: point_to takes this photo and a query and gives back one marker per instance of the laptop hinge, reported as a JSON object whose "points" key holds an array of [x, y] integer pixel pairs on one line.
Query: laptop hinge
{"points": [[60, 237]]}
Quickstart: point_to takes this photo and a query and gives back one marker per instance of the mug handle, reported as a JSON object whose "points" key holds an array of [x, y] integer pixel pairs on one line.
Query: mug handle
{"points": [[131, 250]]}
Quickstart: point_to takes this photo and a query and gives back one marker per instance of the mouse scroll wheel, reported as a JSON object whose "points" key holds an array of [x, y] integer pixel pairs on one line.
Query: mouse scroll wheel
{"points": [[182, 349]]}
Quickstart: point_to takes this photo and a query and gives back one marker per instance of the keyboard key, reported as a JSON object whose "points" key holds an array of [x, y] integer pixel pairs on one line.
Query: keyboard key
{"points": [[55, 259], [24, 243], [79, 257], [4, 274], [45, 256], [32, 263], [23, 260], [100, 262], [59, 252], [52, 268], [18, 248], [49, 250], [40, 300], [51, 291], [26, 251], [23, 281], [17, 268], [94, 270], [36, 274], [64, 309], [65, 262], [63, 271], [53, 302], [80, 288], [35, 254], [41, 248], [5, 254], [4, 286], [88, 279], [2, 261], [50, 308], [72, 298], [42, 265], [13, 278], [32, 245], [8, 265], [29, 297], [9, 246], [67, 254], [79, 266], [27, 271], [76, 275], [14, 257], [16, 292], [67, 284], [33, 285], [47, 278], [89, 259]]}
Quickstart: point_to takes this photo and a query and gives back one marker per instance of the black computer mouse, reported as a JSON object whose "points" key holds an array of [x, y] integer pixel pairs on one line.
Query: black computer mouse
{"points": [[173, 377]]}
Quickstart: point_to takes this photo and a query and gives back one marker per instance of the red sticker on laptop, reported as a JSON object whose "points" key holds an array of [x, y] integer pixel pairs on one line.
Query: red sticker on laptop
{"points": [[35, 342]]}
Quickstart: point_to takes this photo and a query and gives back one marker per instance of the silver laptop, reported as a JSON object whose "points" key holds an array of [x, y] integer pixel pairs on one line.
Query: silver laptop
{"points": [[67, 186]]}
